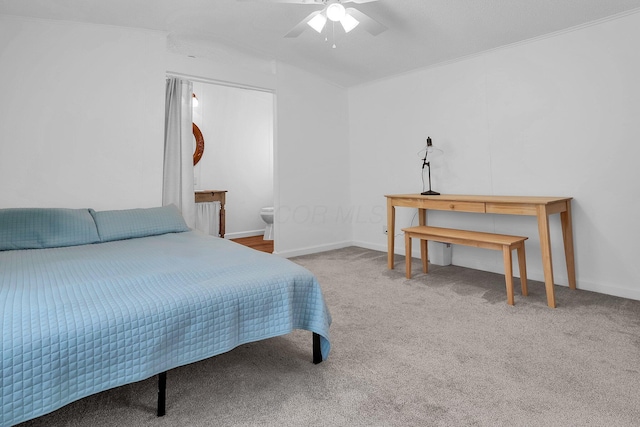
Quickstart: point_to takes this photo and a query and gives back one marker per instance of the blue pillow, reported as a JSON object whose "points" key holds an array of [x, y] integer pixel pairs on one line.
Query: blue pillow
{"points": [[37, 228], [132, 223]]}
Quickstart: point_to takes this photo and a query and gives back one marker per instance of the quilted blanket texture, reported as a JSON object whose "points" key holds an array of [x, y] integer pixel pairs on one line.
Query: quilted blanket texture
{"points": [[82, 319]]}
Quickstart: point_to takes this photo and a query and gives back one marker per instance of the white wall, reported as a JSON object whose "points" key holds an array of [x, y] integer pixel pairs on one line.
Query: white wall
{"points": [[311, 152], [556, 117], [82, 124], [312, 164], [81, 115], [237, 127]]}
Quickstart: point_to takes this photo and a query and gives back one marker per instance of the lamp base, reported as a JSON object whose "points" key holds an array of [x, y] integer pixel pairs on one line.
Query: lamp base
{"points": [[430, 193]]}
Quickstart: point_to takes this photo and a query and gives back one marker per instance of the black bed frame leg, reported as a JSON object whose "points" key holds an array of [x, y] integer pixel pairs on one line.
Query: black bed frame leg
{"points": [[317, 352], [162, 393], [162, 377]]}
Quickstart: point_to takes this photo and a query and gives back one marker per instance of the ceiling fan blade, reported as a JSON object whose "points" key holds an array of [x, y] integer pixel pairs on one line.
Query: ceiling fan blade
{"points": [[302, 25], [288, 1], [369, 24]]}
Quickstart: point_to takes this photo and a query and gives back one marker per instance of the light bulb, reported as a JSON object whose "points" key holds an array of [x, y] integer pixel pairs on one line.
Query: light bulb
{"points": [[335, 12]]}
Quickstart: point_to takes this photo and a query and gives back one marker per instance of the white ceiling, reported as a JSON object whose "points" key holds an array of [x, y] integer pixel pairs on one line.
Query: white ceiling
{"points": [[420, 32]]}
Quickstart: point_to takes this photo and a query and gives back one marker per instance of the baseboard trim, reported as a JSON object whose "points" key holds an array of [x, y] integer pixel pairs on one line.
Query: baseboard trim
{"points": [[313, 249], [615, 291], [241, 234]]}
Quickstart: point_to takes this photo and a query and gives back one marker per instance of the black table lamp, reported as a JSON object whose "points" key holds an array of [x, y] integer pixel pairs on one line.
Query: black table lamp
{"points": [[429, 152]]}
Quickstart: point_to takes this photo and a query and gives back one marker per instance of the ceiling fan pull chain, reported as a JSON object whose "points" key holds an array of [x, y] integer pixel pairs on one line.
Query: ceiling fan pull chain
{"points": [[333, 30]]}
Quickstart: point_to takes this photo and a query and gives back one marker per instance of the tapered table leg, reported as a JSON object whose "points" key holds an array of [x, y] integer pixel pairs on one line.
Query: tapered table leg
{"points": [[391, 225], [545, 248], [567, 238]]}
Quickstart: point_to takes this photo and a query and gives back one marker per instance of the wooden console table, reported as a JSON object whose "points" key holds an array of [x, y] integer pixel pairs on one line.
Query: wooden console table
{"points": [[214, 196], [540, 207]]}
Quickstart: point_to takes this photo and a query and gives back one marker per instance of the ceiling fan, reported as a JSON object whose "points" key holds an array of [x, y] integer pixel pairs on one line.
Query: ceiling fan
{"points": [[334, 11]]}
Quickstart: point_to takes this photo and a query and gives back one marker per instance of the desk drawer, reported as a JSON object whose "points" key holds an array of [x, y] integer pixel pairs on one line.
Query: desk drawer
{"points": [[511, 208], [446, 205]]}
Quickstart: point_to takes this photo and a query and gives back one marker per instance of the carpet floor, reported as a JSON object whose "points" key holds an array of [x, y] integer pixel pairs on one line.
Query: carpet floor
{"points": [[442, 349]]}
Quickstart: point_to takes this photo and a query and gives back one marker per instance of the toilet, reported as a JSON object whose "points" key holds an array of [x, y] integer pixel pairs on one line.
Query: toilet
{"points": [[267, 217]]}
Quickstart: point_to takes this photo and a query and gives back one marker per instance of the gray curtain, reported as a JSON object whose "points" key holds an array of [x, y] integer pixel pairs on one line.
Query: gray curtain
{"points": [[177, 186]]}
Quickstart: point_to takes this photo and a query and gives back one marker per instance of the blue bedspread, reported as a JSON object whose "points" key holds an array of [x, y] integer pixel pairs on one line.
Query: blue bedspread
{"points": [[79, 320]]}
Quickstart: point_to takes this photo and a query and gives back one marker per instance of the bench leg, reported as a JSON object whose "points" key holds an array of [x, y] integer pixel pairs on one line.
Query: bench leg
{"points": [[508, 273], [424, 254], [522, 264], [407, 256]]}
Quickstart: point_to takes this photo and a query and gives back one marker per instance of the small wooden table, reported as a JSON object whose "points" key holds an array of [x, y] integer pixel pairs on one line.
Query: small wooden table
{"points": [[214, 196], [540, 207]]}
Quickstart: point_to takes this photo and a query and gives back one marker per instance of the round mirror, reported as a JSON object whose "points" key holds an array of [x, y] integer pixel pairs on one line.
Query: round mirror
{"points": [[197, 155]]}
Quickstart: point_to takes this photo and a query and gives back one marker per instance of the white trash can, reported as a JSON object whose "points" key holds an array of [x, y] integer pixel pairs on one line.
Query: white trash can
{"points": [[439, 253]]}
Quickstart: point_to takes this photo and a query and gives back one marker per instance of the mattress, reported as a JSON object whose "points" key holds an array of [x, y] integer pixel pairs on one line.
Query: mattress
{"points": [[82, 319]]}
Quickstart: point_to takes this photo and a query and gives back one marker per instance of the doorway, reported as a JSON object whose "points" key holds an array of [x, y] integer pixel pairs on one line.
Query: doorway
{"points": [[237, 125]]}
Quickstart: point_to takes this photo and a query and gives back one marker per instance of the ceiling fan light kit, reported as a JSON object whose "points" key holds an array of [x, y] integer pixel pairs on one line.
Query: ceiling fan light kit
{"points": [[333, 11]]}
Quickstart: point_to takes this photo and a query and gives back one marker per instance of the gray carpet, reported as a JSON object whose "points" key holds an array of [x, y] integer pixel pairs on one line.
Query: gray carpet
{"points": [[442, 349]]}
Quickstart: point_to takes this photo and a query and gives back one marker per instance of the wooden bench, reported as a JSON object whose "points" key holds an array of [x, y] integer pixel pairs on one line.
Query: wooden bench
{"points": [[500, 242]]}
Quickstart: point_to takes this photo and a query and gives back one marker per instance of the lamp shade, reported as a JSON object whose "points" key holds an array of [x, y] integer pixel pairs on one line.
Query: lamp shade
{"points": [[318, 22], [430, 151], [349, 23], [336, 12]]}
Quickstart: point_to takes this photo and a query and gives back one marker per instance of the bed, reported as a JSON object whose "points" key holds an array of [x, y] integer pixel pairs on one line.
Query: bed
{"points": [[94, 300]]}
